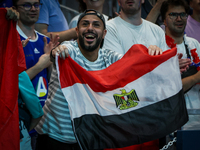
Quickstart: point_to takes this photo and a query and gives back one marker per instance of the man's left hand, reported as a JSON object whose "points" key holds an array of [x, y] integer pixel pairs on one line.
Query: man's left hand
{"points": [[154, 50]]}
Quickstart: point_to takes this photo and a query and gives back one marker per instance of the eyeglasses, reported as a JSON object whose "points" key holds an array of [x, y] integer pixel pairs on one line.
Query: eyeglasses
{"points": [[174, 16], [28, 6]]}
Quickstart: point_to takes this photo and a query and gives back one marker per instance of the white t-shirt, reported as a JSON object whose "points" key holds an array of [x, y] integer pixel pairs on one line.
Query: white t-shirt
{"points": [[74, 21], [121, 35], [192, 97]]}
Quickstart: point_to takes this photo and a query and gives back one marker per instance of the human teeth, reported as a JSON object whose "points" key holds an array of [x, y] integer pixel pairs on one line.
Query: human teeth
{"points": [[91, 36]]}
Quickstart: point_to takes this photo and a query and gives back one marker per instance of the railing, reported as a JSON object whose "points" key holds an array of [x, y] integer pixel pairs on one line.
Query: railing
{"points": [[68, 12], [193, 111]]}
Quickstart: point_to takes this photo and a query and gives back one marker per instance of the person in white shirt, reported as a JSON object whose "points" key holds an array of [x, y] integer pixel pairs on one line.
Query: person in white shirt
{"points": [[174, 14]]}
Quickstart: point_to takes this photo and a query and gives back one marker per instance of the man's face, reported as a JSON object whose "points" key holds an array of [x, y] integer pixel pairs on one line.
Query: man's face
{"points": [[28, 17], [175, 24], [93, 4], [195, 4], [90, 32], [130, 6]]}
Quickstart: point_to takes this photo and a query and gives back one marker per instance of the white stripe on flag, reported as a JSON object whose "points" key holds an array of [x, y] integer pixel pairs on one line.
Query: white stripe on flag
{"points": [[163, 82]]}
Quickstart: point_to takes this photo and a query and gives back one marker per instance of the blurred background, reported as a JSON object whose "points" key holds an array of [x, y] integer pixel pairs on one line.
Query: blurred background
{"points": [[70, 8]]}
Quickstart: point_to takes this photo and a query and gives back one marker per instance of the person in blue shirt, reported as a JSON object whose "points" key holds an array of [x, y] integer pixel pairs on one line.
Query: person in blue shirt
{"points": [[37, 50]]}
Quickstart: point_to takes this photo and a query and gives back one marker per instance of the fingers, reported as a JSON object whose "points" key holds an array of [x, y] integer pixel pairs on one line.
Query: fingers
{"points": [[12, 14], [184, 62], [61, 50], [51, 37], [180, 55], [45, 41], [25, 42], [55, 40], [184, 69], [154, 50]]}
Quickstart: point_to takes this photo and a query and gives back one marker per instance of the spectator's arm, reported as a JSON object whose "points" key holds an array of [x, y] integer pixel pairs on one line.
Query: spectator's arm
{"points": [[34, 122], [190, 81], [29, 97], [44, 62], [155, 11], [64, 35]]}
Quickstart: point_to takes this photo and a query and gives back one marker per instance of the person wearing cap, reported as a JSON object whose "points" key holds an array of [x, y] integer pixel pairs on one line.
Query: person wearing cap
{"points": [[88, 4], [55, 128]]}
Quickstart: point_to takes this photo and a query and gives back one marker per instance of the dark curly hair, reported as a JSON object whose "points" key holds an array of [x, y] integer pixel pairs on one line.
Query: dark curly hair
{"points": [[165, 6]]}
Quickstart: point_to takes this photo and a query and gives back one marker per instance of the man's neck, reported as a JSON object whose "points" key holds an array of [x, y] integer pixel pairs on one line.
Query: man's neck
{"points": [[91, 56], [99, 9], [132, 19], [28, 30], [177, 39], [196, 16]]}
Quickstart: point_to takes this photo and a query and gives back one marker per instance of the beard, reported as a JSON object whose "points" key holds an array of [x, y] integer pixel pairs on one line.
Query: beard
{"points": [[176, 31], [130, 11], [89, 48]]}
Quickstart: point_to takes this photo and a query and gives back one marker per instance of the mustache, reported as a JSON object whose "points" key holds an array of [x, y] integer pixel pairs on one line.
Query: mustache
{"points": [[95, 35]]}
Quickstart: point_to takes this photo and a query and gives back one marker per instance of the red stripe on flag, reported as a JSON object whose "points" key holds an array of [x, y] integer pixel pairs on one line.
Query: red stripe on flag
{"points": [[108, 79]]}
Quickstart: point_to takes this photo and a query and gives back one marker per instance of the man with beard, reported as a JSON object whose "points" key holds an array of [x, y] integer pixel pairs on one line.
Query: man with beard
{"points": [[129, 29], [55, 127], [174, 14]]}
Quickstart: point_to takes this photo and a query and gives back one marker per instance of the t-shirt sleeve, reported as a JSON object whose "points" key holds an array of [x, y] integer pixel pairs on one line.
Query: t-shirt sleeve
{"points": [[112, 41], [28, 95], [44, 12], [163, 44], [73, 23]]}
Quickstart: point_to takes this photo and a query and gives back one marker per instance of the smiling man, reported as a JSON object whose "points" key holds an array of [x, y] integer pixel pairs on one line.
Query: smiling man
{"points": [[174, 14], [55, 127]]}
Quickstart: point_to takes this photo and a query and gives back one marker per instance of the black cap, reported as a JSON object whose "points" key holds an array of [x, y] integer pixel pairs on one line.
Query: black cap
{"points": [[96, 13]]}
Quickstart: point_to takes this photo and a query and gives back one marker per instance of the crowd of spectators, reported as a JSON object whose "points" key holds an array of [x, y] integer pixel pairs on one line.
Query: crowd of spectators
{"points": [[44, 31]]}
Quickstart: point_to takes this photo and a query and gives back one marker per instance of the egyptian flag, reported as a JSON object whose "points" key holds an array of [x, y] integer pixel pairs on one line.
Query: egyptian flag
{"points": [[137, 99], [12, 62]]}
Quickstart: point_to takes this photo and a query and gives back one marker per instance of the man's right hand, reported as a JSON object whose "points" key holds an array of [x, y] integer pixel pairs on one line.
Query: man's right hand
{"points": [[44, 61], [183, 63], [61, 50], [12, 14]]}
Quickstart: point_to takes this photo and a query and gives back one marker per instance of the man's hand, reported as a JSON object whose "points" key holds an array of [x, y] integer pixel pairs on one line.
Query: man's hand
{"points": [[154, 50], [25, 42], [44, 61], [52, 44], [12, 14], [61, 50], [183, 63]]}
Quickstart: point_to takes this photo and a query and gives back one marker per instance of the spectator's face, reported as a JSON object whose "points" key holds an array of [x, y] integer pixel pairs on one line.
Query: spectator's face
{"points": [[90, 32], [93, 4], [130, 7], [175, 24], [195, 4], [28, 17]]}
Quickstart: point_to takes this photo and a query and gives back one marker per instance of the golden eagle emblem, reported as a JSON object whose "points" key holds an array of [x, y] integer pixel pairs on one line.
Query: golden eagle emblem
{"points": [[126, 100]]}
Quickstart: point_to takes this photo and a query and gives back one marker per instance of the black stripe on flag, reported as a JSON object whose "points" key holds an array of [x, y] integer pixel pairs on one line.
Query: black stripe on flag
{"points": [[135, 127]]}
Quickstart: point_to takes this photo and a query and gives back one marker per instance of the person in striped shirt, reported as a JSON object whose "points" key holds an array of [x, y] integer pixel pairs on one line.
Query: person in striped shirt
{"points": [[55, 128]]}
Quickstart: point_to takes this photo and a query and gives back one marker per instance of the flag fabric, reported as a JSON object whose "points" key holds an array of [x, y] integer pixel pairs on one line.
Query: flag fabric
{"points": [[12, 62], [137, 99]]}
